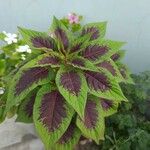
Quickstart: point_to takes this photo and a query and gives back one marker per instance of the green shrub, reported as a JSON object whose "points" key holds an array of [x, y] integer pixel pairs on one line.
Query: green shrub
{"points": [[129, 129]]}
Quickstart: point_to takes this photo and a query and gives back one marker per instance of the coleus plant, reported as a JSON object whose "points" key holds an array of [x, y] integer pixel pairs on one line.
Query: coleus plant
{"points": [[70, 86]]}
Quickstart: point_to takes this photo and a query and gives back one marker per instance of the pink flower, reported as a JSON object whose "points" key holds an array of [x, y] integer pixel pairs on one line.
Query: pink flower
{"points": [[73, 18]]}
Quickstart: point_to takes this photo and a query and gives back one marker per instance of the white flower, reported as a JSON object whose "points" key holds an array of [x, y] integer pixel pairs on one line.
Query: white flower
{"points": [[23, 57], [10, 38], [2, 90], [24, 48], [51, 35]]}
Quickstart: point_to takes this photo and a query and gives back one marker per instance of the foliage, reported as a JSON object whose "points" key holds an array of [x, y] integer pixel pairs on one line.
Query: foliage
{"points": [[68, 85], [129, 129]]}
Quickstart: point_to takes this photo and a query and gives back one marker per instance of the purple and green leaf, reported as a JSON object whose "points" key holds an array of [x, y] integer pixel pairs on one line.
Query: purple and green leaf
{"points": [[25, 81], [109, 107], [39, 40], [95, 30], [118, 55], [98, 50], [52, 115], [125, 72], [61, 34], [69, 139], [103, 85], [111, 67], [25, 110], [44, 60], [78, 45], [72, 85], [82, 63], [92, 125]]}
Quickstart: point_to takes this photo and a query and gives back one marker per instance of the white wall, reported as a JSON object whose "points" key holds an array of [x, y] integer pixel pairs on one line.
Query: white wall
{"points": [[128, 20]]}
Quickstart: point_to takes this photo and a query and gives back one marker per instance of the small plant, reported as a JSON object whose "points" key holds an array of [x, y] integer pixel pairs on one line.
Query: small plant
{"points": [[69, 85]]}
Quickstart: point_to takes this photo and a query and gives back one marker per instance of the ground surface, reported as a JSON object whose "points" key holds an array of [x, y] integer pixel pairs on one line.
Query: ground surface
{"points": [[18, 136]]}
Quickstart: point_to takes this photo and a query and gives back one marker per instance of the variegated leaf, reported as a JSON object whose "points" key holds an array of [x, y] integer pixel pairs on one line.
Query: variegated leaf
{"points": [[102, 84], [69, 139], [37, 39], [25, 81], [125, 72], [43, 61], [61, 34], [52, 115], [72, 85], [25, 110], [78, 45], [92, 125], [109, 107], [99, 50], [118, 55], [95, 30], [111, 67], [82, 63]]}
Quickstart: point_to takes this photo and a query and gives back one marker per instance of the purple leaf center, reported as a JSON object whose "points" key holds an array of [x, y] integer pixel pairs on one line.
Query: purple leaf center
{"points": [[78, 62], [71, 81], [49, 60], [93, 52], [61, 35], [107, 65], [93, 31], [40, 42], [68, 134], [106, 104], [29, 77], [97, 81], [52, 110], [91, 114]]}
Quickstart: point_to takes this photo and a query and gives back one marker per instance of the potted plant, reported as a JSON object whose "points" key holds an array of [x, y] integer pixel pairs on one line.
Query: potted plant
{"points": [[68, 84]]}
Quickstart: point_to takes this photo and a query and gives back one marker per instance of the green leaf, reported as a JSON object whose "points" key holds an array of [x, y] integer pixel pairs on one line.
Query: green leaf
{"points": [[9, 49], [25, 81], [69, 139], [2, 36], [102, 84], [2, 118], [72, 85], [2, 66], [92, 125], [52, 115], [25, 110], [75, 27], [95, 30]]}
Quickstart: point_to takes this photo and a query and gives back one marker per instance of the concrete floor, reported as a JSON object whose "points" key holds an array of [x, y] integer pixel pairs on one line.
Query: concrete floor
{"points": [[18, 136]]}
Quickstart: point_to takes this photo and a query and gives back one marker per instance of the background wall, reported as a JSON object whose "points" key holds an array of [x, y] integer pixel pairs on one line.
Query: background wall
{"points": [[128, 20]]}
